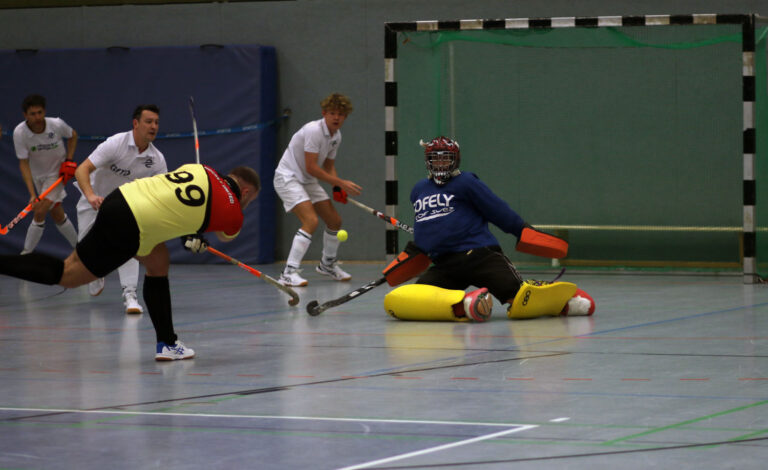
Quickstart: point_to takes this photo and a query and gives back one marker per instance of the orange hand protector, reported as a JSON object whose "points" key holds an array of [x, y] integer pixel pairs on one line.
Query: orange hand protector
{"points": [[541, 244]]}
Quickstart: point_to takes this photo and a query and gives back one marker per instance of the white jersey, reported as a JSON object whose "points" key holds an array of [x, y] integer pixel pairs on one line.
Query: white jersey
{"points": [[118, 161], [313, 137], [46, 150]]}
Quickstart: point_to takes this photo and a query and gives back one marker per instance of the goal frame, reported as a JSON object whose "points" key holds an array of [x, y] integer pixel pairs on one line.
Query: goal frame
{"points": [[749, 134]]}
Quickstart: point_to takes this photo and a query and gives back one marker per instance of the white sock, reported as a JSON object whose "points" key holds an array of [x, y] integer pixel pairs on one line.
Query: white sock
{"points": [[330, 246], [34, 234], [129, 275], [301, 242], [68, 230]]}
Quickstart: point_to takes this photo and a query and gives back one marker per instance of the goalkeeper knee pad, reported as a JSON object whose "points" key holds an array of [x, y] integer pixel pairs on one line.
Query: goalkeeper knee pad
{"points": [[429, 303]]}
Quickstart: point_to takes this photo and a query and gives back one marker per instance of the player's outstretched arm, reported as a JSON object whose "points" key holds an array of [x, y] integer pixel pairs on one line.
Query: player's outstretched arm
{"points": [[328, 174]]}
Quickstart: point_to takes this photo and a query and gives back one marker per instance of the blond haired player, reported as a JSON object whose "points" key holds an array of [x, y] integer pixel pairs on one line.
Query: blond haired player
{"points": [[309, 159], [135, 220], [121, 158], [43, 157]]}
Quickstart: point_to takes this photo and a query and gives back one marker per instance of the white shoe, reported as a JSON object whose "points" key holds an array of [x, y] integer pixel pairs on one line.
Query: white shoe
{"points": [[290, 277], [131, 302], [173, 353], [333, 270], [95, 287]]}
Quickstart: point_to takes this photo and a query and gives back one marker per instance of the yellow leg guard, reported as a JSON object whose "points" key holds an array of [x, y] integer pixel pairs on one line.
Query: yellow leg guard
{"points": [[534, 301], [423, 302]]}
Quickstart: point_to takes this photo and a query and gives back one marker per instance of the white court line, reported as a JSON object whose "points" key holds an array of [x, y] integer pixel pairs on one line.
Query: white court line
{"points": [[516, 427], [303, 418], [442, 447]]}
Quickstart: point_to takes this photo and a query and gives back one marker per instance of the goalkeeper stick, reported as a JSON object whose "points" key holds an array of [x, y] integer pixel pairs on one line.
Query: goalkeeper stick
{"points": [[294, 296], [314, 309], [24, 212]]}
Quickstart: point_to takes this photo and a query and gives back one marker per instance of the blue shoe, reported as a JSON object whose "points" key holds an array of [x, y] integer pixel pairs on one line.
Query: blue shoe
{"points": [[173, 353]]}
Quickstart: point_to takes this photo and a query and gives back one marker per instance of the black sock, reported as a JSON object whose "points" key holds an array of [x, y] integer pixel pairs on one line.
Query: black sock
{"points": [[157, 297], [35, 267]]}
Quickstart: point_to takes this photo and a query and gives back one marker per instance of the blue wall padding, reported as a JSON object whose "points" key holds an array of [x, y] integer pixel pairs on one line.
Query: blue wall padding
{"points": [[96, 90]]}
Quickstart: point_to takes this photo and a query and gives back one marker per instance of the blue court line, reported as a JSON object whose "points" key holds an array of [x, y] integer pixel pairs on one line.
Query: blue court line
{"points": [[671, 320], [180, 135], [524, 350]]}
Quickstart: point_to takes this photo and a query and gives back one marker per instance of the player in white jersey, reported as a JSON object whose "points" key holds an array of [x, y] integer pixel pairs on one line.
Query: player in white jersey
{"points": [[41, 150], [121, 158], [311, 156]]}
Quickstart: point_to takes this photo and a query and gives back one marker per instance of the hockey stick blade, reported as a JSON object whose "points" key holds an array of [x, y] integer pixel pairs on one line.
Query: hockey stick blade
{"points": [[314, 309], [269, 280]]}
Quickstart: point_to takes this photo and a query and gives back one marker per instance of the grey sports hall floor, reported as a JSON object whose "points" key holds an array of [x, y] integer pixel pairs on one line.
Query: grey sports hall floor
{"points": [[671, 372]]}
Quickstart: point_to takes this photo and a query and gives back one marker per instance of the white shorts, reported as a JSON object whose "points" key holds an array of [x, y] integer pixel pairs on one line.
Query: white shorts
{"points": [[292, 192], [45, 181], [86, 216]]}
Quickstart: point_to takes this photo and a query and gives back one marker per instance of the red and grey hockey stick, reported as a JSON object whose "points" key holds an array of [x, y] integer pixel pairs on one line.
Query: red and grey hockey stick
{"points": [[24, 212], [382, 216]]}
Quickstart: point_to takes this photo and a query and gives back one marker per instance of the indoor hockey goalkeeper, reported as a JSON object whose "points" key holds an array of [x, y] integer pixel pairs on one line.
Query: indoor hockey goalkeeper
{"points": [[452, 211]]}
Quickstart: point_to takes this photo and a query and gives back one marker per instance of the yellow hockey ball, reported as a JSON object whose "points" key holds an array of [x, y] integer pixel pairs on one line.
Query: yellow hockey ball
{"points": [[342, 235]]}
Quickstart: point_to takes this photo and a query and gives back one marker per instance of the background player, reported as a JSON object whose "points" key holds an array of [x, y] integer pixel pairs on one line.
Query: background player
{"points": [[311, 156], [121, 158], [43, 156], [135, 220], [452, 212]]}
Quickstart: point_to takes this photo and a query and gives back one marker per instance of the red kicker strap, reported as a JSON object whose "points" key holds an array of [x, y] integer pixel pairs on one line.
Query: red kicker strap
{"points": [[541, 244]]}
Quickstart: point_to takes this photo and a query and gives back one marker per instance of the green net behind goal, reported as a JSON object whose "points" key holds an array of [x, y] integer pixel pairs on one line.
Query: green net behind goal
{"points": [[625, 140]]}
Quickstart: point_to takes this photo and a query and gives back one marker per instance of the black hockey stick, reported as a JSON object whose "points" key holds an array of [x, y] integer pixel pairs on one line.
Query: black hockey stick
{"points": [[194, 129], [314, 309]]}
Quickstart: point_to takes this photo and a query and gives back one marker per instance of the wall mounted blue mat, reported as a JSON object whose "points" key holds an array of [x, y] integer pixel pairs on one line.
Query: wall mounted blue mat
{"points": [[95, 92]]}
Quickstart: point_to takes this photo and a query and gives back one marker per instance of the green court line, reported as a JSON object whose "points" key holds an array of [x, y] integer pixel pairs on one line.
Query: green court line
{"points": [[684, 423], [750, 435]]}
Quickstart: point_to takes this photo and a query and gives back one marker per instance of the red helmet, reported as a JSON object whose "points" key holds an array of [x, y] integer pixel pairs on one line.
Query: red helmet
{"points": [[442, 158]]}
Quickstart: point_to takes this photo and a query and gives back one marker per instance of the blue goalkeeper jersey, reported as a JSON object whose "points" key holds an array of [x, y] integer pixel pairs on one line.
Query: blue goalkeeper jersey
{"points": [[454, 217]]}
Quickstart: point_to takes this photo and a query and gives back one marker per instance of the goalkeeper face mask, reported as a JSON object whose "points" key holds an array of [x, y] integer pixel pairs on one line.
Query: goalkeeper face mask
{"points": [[442, 158]]}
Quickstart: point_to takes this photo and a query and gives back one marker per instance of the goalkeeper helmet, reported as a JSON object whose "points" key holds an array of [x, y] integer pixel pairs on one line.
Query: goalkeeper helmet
{"points": [[442, 158]]}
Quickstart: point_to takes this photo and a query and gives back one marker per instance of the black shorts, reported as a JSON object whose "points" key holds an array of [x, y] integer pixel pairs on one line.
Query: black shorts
{"points": [[113, 238], [481, 267]]}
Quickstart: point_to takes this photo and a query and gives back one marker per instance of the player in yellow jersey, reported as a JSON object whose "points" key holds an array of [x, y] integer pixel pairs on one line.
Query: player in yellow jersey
{"points": [[134, 221]]}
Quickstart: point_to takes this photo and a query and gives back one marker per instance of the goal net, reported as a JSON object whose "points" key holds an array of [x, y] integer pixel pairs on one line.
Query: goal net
{"points": [[631, 137]]}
